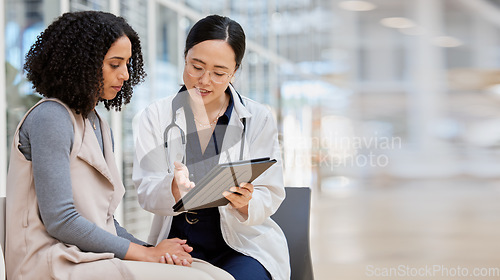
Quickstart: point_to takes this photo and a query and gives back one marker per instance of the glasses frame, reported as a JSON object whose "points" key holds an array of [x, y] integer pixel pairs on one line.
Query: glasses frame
{"points": [[226, 75]]}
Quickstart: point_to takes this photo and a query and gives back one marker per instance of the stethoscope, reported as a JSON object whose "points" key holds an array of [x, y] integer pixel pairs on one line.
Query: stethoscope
{"points": [[174, 125]]}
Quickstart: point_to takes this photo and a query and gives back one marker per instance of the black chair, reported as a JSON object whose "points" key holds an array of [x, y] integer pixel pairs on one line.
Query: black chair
{"points": [[2, 237], [293, 218]]}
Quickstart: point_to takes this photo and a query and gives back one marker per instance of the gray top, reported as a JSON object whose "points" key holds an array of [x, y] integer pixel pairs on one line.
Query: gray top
{"points": [[46, 138]]}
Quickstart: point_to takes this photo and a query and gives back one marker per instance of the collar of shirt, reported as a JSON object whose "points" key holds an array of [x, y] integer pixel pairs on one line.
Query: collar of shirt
{"points": [[224, 119], [181, 100]]}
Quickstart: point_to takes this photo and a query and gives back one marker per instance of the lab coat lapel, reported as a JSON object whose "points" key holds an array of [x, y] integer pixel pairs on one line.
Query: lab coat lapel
{"points": [[231, 146], [232, 140]]}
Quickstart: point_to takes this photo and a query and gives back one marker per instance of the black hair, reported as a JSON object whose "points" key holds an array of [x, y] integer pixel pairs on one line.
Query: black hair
{"points": [[215, 27], [66, 60]]}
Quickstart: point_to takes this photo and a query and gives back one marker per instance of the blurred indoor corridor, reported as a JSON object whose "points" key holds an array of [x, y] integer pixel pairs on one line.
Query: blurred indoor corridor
{"points": [[388, 109], [421, 229]]}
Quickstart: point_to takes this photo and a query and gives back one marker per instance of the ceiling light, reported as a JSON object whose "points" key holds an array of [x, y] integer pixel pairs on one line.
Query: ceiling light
{"points": [[357, 6], [447, 42], [397, 22]]}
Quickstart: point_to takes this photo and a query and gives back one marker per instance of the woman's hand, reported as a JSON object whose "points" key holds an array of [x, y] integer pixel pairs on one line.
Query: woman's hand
{"points": [[239, 197], [181, 183], [172, 251]]}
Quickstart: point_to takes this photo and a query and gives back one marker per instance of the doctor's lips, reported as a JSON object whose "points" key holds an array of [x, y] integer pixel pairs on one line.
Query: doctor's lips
{"points": [[203, 92], [117, 88]]}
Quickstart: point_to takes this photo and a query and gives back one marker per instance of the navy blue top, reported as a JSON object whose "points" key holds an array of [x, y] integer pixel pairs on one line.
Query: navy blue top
{"points": [[204, 232]]}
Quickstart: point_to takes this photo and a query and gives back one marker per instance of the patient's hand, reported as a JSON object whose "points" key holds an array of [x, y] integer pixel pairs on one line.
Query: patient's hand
{"points": [[171, 251], [175, 251]]}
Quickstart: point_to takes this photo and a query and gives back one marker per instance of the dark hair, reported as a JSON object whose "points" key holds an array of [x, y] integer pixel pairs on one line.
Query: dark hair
{"points": [[216, 27], [66, 60]]}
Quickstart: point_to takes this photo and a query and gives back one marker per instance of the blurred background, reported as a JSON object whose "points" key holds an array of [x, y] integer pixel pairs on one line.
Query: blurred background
{"points": [[387, 110]]}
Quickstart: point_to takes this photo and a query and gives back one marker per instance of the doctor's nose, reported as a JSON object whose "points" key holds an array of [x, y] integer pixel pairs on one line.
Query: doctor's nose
{"points": [[205, 78]]}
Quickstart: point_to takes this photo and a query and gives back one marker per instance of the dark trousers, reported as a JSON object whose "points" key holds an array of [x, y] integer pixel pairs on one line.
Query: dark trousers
{"points": [[205, 237], [242, 267]]}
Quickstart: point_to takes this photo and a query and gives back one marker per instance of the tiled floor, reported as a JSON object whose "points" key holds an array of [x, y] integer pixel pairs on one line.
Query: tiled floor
{"points": [[419, 229]]}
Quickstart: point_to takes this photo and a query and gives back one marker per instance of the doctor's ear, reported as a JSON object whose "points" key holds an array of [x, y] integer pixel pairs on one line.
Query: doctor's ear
{"points": [[233, 77]]}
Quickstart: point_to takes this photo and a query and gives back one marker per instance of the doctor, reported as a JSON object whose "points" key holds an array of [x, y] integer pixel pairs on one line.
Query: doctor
{"points": [[180, 138]]}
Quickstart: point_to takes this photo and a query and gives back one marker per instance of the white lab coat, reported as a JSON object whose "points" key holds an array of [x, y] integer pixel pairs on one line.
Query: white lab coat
{"points": [[257, 235]]}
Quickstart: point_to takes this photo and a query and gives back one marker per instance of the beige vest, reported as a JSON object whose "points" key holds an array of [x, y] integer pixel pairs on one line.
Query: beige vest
{"points": [[31, 253]]}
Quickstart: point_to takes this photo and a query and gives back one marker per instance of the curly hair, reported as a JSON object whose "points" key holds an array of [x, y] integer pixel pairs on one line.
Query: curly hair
{"points": [[66, 60]]}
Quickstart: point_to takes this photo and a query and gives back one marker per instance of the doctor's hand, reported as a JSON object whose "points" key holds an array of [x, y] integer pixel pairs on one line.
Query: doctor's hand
{"points": [[181, 183], [240, 196]]}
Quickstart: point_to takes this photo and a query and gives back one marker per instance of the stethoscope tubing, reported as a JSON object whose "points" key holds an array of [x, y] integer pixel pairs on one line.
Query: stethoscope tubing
{"points": [[173, 125]]}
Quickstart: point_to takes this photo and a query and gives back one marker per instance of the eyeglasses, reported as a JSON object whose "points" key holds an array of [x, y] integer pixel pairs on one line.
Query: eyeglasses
{"points": [[217, 76]]}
